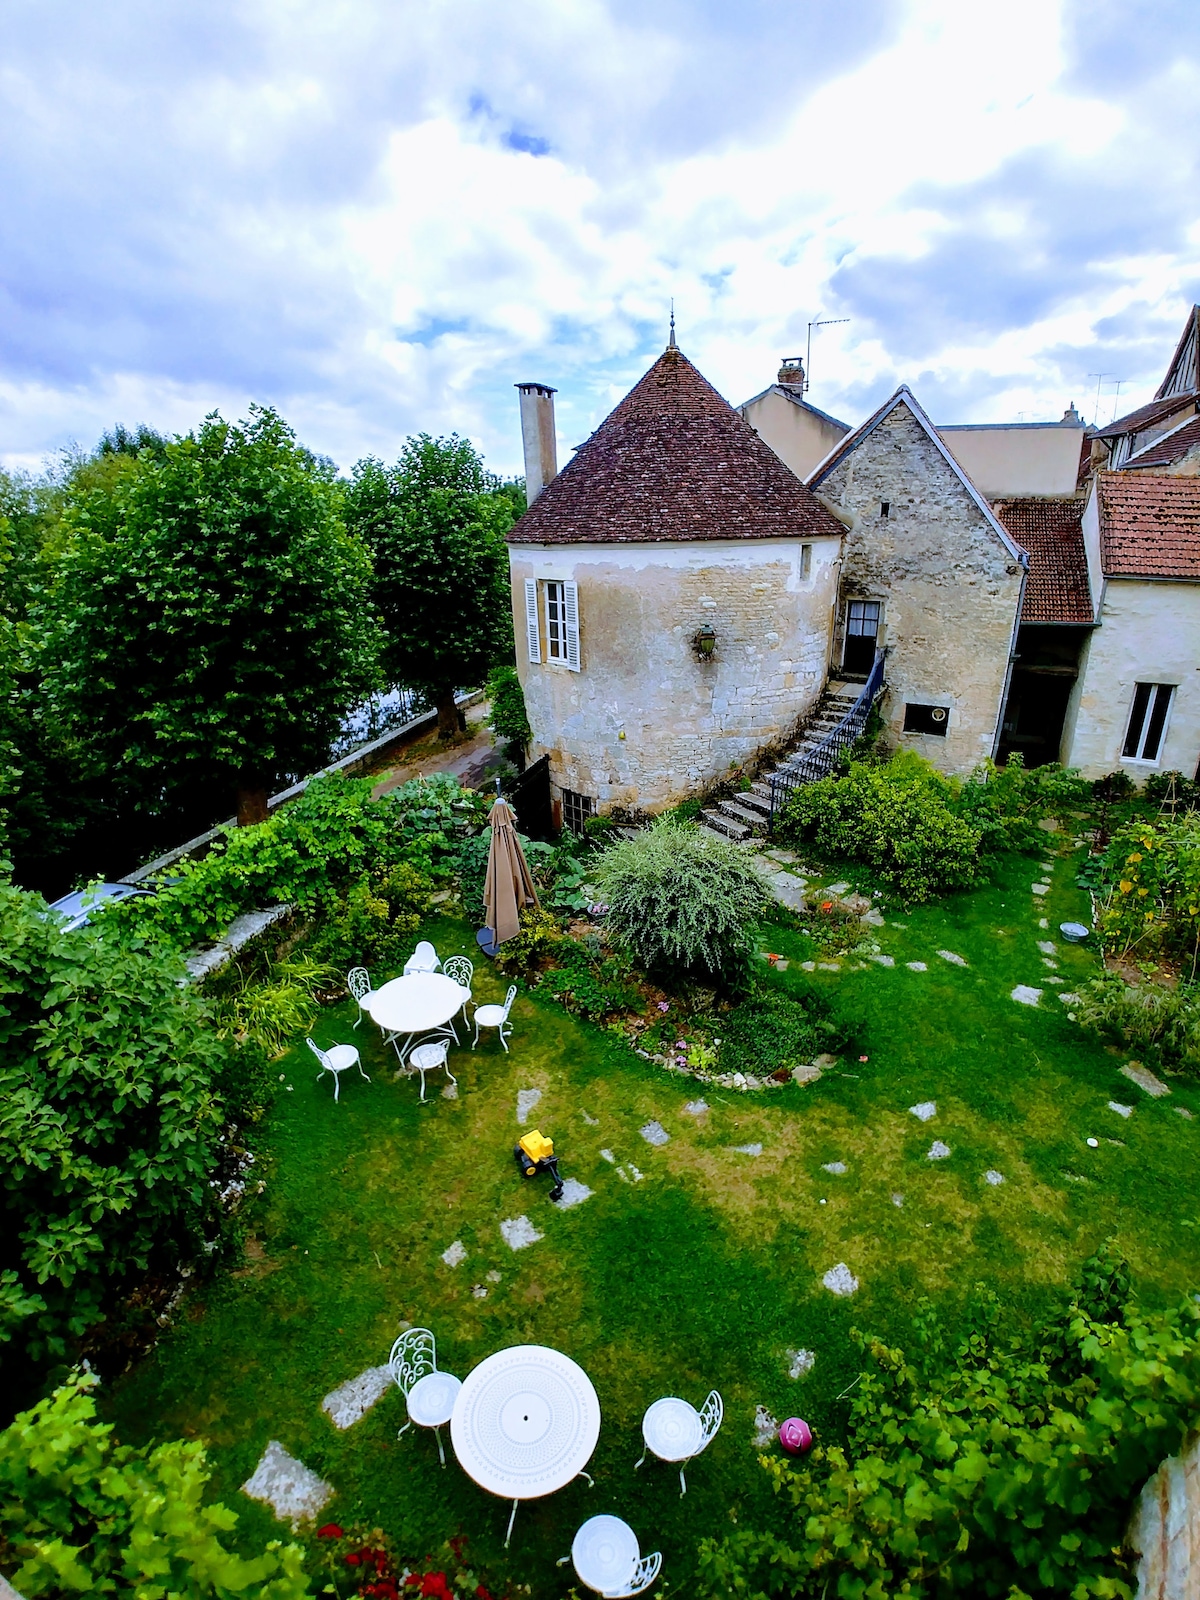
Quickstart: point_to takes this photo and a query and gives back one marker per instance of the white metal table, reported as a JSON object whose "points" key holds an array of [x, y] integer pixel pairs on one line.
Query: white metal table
{"points": [[525, 1423], [604, 1553], [423, 1002]]}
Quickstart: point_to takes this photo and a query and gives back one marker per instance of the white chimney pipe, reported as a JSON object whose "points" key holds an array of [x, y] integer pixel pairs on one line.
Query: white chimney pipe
{"points": [[537, 437]]}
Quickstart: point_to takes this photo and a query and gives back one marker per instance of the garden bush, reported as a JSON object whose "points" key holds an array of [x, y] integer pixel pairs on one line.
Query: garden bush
{"points": [[898, 819], [109, 1117], [81, 1514], [594, 983], [1148, 897], [507, 718], [990, 1464], [1005, 804], [1160, 1022], [771, 1030], [682, 899]]}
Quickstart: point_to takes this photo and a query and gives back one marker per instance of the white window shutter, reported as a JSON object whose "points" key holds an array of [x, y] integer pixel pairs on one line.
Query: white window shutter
{"points": [[571, 607], [531, 620]]}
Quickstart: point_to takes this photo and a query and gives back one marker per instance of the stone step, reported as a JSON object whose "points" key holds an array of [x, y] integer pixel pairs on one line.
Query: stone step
{"points": [[757, 799], [717, 822], [741, 813]]}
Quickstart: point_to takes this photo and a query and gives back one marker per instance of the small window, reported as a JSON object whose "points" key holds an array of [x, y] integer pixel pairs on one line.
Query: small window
{"points": [[885, 507], [805, 561], [926, 719], [1147, 719], [577, 808], [556, 621]]}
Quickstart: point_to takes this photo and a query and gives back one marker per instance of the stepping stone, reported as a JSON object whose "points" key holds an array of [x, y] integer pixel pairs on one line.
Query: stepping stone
{"points": [[696, 1108], [897, 1199], [608, 1156], [1182, 1111], [885, 961], [1024, 994], [574, 1194], [1043, 922], [450, 1092], [808, 966], [518, 1233], [747, 1149], [828, 966], [806, 1072], [937, 1151], [592, 1122], [840, 1280], [836, 1167], [766, 1429], [837, 888], [455, 1253], [1056, 980], [916, 966], [873, 919], [800, 1363], [1122, 1111], [993, 1177], [493, 1277], [478, 1292], [1040, 889], [354, 1398], [1047, 947], [1053, 965], [654, 1133], [637, 1176], [923, 1112], [526, 1100], [293, 1493], [955, 961], [1145, 1079]]}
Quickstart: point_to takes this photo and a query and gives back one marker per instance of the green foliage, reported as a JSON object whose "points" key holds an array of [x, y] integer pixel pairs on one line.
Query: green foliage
{"points": [[81, 1514], [899, 819], [435, 523], [539, 937], [372, 924], [682, 899], [208, 622], [983, 1464], [1005, 804], [507, 718], [1159, 1022], [1149, 895], [271, 1014], [109, 1121], [770, 1030], [592, 982]]}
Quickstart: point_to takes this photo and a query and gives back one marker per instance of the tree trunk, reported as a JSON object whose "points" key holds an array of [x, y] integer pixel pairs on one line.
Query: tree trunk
{"points": [[251, 806], [447, 714]]}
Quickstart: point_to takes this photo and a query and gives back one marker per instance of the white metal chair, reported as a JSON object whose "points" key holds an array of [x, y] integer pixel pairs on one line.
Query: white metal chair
{"points": [[496, 1017], [606, 1559], [675, 1431], [462, 971], [336, 1060], [358, 981], [429, 1395], [428, 1058], [423, 959]]}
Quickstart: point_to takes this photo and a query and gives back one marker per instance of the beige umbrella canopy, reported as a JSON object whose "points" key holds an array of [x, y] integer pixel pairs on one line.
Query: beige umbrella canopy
{"points": [[509, 885]]}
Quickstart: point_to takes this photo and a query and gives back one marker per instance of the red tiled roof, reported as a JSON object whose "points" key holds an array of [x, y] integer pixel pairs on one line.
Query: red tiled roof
{"points": [[1149, 525], [1166, 451], [1056, 589], [1152, 411], [674, 461]]}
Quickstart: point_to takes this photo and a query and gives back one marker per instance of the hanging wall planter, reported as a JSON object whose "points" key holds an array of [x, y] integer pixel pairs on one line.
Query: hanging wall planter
{"points": [[705, 644]]}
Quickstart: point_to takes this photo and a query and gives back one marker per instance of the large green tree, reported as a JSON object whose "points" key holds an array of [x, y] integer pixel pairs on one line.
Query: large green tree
{"points": [[208, 623], [435, 523]]}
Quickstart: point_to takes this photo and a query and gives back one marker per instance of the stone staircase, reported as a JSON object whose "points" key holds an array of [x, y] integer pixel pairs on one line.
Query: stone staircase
{"points": [[745, 815]]}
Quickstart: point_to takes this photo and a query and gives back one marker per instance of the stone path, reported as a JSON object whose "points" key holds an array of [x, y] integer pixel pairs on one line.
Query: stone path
{"points": [[518, 1233], [293, 1493], [351, 1400], [840, 1280]]}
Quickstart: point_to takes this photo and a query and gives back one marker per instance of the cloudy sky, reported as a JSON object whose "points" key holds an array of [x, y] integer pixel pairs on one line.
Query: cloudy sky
{"points": [[378, 215]]}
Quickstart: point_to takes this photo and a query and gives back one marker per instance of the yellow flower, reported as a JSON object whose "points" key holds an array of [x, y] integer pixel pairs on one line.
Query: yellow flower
{"points": [[1125, 886], [1136, 856], [1142, 893]]}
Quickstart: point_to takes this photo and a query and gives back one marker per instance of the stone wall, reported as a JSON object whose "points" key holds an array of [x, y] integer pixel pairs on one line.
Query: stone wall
{"points": [[644, 723], [1165, 1528], [949, 585], [1149, 633]]}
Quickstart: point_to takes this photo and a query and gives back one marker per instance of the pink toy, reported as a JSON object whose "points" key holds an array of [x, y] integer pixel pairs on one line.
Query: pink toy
{"points": [[795, 1436]]}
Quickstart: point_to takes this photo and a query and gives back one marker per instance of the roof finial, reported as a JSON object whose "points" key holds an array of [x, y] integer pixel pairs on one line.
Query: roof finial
{"points": [[671, 345]]}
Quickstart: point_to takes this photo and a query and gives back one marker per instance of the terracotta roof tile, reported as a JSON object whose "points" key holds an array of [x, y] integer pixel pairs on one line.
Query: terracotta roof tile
{"points": [[673, 461], [1149, 525], [1056, 589], [1152, 411], [1164, 452]]}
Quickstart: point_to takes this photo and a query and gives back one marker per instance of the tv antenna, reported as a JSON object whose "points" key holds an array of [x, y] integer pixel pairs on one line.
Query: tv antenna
{"points": [[817, 322], [1100, 377]]}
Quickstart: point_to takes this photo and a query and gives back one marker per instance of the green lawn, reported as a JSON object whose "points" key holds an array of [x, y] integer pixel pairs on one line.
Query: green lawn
{"points": [[707, 1272]]}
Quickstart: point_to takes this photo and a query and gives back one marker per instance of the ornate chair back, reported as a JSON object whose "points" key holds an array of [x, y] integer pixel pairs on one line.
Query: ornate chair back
{"points": [[712, 1414], [413, 1356], [460, 969], [358, 981], [642, 1576], [508, 1000], [320, 1055]]}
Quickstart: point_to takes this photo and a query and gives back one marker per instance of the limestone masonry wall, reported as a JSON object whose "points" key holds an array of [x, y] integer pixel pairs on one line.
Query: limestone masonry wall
{"points": [[950, 588], [684, 721]]}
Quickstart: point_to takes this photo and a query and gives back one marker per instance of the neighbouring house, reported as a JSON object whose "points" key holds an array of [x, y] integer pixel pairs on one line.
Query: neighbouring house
{"points": [[673, 589], [929, 573], [800, 435], [1141, 438]]}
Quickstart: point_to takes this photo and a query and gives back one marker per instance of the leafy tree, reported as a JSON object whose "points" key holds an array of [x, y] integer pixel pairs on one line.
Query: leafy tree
{"points": [[81, 1514], [992, 1465], [209, 623], [508, 719], [110, 1117], [435, 523]]}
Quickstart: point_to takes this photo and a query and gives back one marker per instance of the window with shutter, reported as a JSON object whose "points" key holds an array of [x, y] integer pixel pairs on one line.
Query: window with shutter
{"points": [[1147, 721], [531, 620], [571, 609]]}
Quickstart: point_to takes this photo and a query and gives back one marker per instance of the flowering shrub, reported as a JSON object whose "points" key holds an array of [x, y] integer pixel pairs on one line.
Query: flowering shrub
{"points": [[365, 1564], [1149, 895]]}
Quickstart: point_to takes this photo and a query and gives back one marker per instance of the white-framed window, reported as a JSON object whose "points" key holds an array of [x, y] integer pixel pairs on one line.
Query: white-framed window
{"points": [[805, 562], [1147, 721], [560, 608]]}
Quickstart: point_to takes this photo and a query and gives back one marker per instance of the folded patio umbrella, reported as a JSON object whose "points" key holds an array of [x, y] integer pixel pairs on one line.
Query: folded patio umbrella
{"points": [[509, 885]]}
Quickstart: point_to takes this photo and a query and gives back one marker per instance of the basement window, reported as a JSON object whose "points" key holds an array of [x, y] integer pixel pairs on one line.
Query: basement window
{"points": [[1147, 721], [805, 562], [927, 719], [577, 808], [885, 507]]}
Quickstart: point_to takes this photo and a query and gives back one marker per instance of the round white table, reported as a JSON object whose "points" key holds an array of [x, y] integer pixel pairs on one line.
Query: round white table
{"points": [[430, 1403], [604, 1553], [672, 1429], [424, 1002], [525, 1423]]}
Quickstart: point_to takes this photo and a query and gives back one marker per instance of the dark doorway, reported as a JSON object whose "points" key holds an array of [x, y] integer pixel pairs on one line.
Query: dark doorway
{"points": [[862, 631], [530, 799], [1044, 674]]}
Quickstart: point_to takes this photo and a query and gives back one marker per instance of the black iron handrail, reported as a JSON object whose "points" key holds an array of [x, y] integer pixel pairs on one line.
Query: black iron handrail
{"points": [[820, 761]]}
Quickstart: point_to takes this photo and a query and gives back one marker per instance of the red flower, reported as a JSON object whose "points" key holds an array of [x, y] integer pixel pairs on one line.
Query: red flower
{"points": [[354, 1559], [330, 1531], [482, 1594]]}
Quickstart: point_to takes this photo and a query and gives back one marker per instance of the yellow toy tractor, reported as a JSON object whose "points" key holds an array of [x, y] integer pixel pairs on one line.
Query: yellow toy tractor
{"points": [[534, 1153]]}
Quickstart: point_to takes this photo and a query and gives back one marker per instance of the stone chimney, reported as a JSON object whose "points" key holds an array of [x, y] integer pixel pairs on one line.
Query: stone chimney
{"points": [[537, 437], [791, 373], [1071, 417]]}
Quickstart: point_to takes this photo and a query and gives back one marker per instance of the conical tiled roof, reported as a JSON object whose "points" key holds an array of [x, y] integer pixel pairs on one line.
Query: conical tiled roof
{"points": [[673, 462]]}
